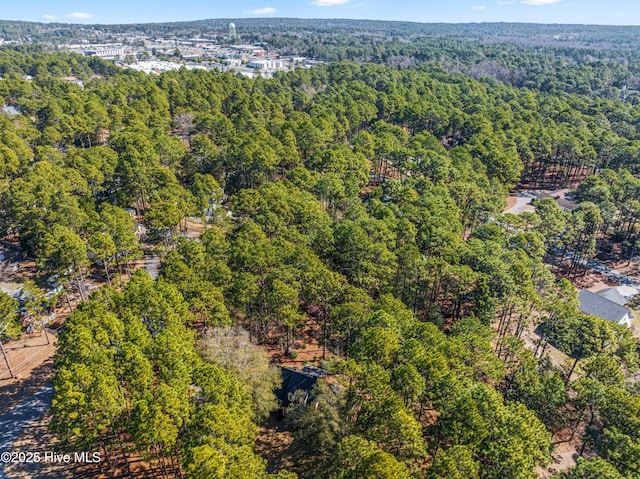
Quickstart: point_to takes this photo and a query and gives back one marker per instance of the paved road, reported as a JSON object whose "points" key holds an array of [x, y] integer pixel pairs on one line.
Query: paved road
{"points": [[152, 265], [601, 268], [16, 420]]}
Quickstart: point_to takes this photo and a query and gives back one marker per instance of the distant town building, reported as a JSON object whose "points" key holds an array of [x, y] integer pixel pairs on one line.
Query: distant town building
{"points": [[232, 61], [158, 66], [107, 54], [266, 64], [232, 31]]}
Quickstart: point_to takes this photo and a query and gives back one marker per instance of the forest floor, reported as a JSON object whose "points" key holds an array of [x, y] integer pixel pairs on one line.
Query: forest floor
{"points": [[591, 280], [194, 228], [272, 443], [38, 438], [307, 347], [566, 445], [31, 359], [564, 455]]}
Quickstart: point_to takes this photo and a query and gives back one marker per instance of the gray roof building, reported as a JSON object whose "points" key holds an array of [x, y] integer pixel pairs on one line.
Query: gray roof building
{"points": [[10, 110], [612, 294], [596, 305]]}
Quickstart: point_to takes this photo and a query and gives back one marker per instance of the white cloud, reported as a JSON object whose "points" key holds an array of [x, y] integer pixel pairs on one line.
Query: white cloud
{"points": [[507, 3], [328, 3], [262, 11], [479, 7], [540, 2], [79, 15], [48, 17]]}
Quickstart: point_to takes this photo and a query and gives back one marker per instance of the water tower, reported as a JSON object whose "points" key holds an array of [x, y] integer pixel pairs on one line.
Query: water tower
{"points": [[232, 31]]}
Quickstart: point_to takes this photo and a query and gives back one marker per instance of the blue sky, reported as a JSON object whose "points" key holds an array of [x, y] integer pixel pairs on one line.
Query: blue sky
{"points": [[612, 12]]}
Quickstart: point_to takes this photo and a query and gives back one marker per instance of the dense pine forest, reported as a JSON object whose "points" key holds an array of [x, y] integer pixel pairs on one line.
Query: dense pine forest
{"points": [[362, 200]]}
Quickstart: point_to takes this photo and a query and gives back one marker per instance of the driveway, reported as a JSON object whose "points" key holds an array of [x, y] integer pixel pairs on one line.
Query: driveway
{"points": [[601, 268], [152, 265], [523, 203]]}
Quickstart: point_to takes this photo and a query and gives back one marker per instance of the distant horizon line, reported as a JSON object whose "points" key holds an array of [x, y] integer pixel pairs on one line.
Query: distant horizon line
{"points": [[325, 20]]}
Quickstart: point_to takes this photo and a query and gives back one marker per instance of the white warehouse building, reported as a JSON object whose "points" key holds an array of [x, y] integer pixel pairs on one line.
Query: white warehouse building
{"points": [[267, 64]]}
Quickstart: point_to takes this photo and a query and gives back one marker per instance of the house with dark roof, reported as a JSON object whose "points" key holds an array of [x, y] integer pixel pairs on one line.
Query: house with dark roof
{"points": [[293, 381], [603, 307], [564, 204]]}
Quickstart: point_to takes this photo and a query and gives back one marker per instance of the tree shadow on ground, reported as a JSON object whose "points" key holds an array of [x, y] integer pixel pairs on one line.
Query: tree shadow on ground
{"points": [[14, 391]]}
